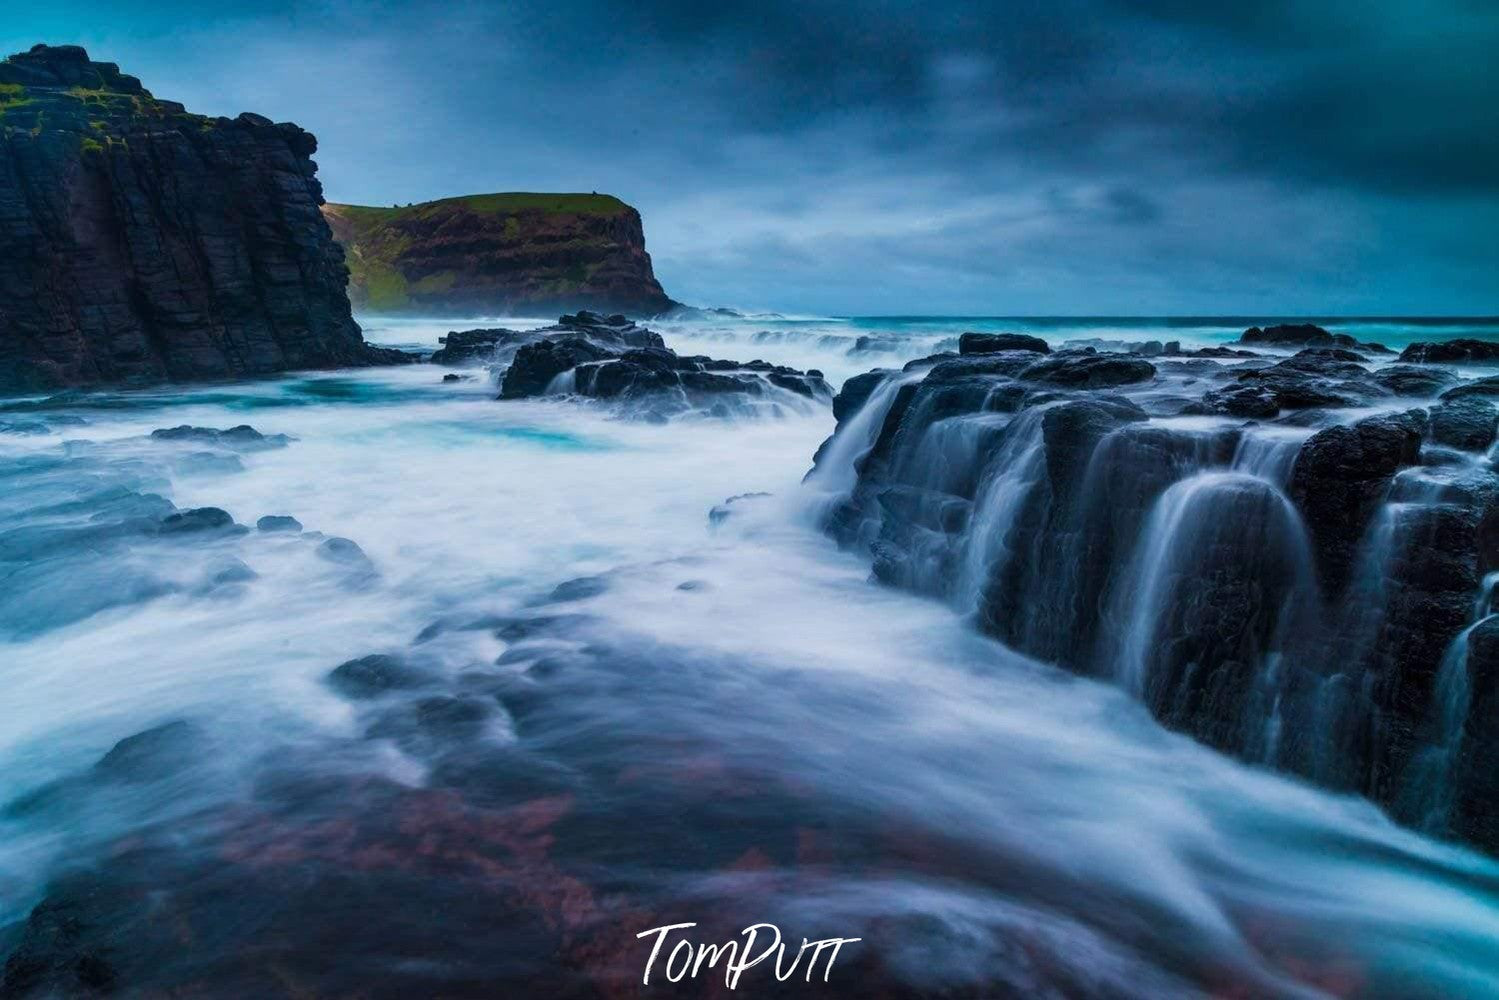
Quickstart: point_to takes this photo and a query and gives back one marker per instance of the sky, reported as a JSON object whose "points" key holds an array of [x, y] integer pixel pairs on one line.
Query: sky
{"points": [[1057, 157]]}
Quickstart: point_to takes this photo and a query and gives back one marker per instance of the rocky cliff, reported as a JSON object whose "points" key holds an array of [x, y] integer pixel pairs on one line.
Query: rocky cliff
{"points": [[139, 242], [499, 254]]}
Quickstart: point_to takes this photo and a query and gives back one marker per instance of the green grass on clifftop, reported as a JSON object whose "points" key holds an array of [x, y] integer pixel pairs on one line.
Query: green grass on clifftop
{"points": [[490, 204]]}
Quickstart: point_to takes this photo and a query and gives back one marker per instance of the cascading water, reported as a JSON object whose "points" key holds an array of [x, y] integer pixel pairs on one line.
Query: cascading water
{"points": [[1429, 788], [1220, 573], [1010, 475], [1269, 453], [837, 469]]}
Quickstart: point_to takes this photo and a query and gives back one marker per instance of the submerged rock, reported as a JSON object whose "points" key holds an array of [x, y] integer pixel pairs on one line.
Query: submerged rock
{"points": [[377, 674], [241, 438], [199, 519]]}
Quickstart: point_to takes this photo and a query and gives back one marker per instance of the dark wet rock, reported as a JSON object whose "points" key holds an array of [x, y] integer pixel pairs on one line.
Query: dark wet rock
{"points": [[991, 343], [1214, 352], [1475, 812], [518, 629], [1339, 478], [536, 365], [155, 753], [876, 343], [145, 243], [1143, 348], [374, 675], [432, 725], [474, 347], [1059, 494], [722, 512], [1090, 371], [1331, 354], [453, 623], [344, 552], [693, 586], [1311, 378], [1418, 381], [62, 952], [241, 438], [1486, 386], [656, 383], [1256, 402], [1452, 351], [197, 520], [278, 522], [455, 377], [1296, 335], [855, 392], [580, 589], [151, 755], [230, 571], [1466, 423]]}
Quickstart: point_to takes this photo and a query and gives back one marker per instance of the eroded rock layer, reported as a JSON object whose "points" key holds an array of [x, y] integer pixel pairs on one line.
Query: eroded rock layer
{"points": [[140, 242]]}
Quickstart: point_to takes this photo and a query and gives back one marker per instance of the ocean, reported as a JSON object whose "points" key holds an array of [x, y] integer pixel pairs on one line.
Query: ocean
{"points": [[725, 722]]}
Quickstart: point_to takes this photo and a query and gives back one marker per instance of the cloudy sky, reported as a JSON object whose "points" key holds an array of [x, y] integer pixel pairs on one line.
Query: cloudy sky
{"points": [[1036, 157]]}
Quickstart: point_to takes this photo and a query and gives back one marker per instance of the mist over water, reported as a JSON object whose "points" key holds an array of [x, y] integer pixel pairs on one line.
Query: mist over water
{"points": [[717, 693]]}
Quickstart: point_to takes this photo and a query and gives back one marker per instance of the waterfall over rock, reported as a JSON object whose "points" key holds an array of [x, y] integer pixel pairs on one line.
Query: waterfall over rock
{"points": [[1297, 590]]}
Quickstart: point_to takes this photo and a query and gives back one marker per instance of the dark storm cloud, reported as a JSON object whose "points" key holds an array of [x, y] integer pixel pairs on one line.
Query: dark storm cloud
{"points": [[1069, 155]]}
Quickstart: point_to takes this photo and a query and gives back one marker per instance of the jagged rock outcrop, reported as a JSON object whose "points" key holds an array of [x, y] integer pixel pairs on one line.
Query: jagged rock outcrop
{"points": [[1293, 588], [1305, 335], [490, 347], [609, 358], [506, 254], [140, 242], [1459, 350]]}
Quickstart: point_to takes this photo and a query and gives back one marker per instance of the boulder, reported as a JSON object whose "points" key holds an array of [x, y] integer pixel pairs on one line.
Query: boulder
{"points": [[537, 364], [1090, 371], [1450, 351], [374, 675], [1466, 423], [1486, 386], [1419, 381], [199, 519], [990, 343], [1341, 475]]}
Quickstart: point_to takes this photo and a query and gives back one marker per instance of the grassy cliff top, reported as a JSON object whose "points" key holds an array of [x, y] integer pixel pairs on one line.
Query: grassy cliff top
{"points": [[488, 204]]}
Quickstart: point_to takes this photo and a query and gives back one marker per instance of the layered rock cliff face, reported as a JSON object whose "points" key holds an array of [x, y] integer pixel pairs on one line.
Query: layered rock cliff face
{"points": [[499, 254], [1312, 589], [139, 242]]}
